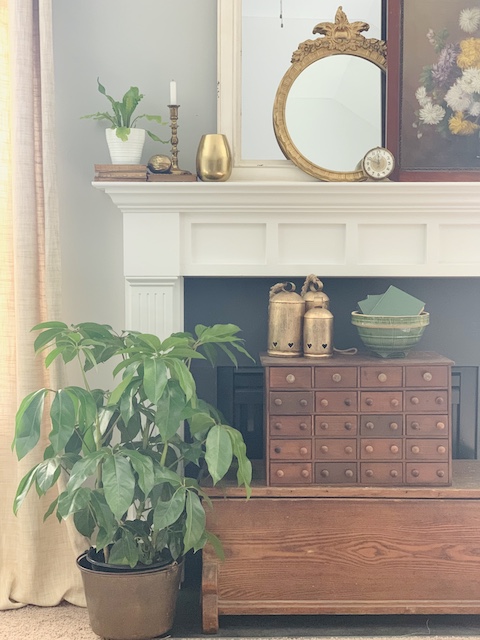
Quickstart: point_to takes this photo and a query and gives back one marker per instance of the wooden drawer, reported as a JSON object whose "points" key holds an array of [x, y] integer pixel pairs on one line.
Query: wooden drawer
{"points": [[381, 449], [335, 426], [291, 426], [335, 472], [426, 449], [432, 401], [381, 401], [427, 473], [427, 376], [383, 473], [290, 449], [293, 402], [381, 425], [335, 448], [335, 377], [290, 377], [284, 473], [381, 376], [327, 402], [427, 425]]}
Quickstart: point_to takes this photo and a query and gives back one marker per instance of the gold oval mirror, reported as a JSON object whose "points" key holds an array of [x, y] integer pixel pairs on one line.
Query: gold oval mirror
{"points": [[327, 77]]}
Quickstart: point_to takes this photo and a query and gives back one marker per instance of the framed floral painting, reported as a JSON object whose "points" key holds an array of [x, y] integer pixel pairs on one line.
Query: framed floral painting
{"points": [[433, 89]]}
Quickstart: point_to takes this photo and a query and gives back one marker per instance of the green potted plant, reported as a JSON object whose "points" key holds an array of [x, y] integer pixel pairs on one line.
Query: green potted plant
{"points": [[118, 458], [125, 141]]}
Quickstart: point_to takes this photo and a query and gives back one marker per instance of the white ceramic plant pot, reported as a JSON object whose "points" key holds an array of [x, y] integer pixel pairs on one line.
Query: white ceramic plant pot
{"points": [[126, 151]]}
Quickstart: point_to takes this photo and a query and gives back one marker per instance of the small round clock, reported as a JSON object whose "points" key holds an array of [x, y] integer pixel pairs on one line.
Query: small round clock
{"points": [[378, 163]]}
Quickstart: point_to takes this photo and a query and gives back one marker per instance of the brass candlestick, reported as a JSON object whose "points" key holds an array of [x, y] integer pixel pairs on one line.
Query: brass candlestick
{"points": [[174, 140]]}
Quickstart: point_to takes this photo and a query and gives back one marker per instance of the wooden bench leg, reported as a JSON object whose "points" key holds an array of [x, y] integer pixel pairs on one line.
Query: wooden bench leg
{"points": [[209, 596]]}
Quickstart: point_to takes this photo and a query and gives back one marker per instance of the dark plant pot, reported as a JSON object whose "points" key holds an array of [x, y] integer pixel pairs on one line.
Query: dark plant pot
{"points": [[97, 561], [130, 605]]}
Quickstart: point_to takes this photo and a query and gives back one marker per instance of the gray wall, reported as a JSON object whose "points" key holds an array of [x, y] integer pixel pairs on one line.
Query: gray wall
{"points": [[145, 43]]}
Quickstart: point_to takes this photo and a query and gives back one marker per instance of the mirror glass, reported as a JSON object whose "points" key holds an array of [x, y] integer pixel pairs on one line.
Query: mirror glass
{"points": [[334, 111], [271, 31]]}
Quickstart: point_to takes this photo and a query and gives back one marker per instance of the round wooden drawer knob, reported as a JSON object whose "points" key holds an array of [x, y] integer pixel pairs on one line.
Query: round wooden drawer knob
{"points": [[303, 403], [415, 449], [349, 473], [369, 448], [278, 426], [324, 426], [439, 400], [348, 450], [442, 450], [415, 473], [324, 448], [278, 449], [369, 473], [441, 473], [369, 425], [440, 425], [382, 377], [303, 451], [305, 473], [394, 448], [415, 425], [347, 402], [348, 426], [394, 402], [394, 426], [369, 402], [303, 426], [278, 402], [427, 376], [280, 473], [324, 473], [290, 378], [324, 402], [337, 377], [414, 400], [394, 473]]}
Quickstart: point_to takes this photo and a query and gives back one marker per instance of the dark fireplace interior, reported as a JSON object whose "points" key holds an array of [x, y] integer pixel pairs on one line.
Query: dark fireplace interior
{"points": [[454, 331]]}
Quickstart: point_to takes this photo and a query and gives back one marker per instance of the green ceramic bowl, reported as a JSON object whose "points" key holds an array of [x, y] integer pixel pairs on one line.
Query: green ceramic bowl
{"points": [[390, 336]]}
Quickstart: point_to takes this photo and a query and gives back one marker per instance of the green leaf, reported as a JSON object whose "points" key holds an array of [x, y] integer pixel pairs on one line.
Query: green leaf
{"points": [[200, 422], [219, 452], [181, 372], [47, 336], [84, 522], [87, 407], [169, 410], [47, 475], [244, 471], [118, 391], [23, 488], [118, 484], [143, 465], [166, 513], [51, 509], [49, 325], [85, 468], [195, 521], [155, 378], [124, 551], [28, 421], [216, 544], [63, 416], [162, 474], [103, 515], [71, 502]]}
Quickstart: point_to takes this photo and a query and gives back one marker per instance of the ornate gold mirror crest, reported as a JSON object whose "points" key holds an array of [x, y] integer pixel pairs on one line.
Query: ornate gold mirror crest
{"points": [[341, 37]]}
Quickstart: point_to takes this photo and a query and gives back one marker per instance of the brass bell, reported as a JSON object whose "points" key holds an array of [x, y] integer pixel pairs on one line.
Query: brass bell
{"points": [[285, 320], [318, 333], [313, 294]]}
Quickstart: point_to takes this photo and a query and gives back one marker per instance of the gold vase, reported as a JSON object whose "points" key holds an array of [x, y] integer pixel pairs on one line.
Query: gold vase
{"points": [[214, 158]]}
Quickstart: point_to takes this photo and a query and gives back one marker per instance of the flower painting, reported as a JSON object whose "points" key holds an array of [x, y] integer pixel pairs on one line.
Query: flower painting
{"points": [[437, 85]]}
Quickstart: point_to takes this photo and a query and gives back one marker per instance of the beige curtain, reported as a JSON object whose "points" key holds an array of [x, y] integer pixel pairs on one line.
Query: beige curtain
{"points": [[37, 560]]}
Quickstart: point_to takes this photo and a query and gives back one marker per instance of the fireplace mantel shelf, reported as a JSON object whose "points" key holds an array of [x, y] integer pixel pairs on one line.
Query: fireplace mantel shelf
{"points": [[281, 229]]}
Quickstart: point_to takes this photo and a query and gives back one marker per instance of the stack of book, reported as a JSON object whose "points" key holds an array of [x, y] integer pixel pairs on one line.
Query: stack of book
{"points": [[120, 173]]}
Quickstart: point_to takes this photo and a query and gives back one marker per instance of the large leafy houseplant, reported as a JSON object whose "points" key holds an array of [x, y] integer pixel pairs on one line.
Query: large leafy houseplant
{"points": [[121, 117], [120, 451]]}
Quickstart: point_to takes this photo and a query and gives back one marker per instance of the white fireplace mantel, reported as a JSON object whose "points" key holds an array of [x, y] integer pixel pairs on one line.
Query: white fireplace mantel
{"points": [[286, 229]]}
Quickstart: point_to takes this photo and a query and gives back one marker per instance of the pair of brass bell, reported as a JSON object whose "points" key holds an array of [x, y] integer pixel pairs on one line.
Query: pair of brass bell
{"points": [[300, 324]]}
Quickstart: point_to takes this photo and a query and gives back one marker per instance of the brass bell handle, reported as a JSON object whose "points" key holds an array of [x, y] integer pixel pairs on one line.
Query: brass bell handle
{"points": [[369, 402], [439, 400], [415, 425], [440, 425], [290, 378], [305, 473], [369, 448], [303, 426], [394, 426], [441, 450], [324, 402], [324, 426], [394, 448], [303, 451], [337, 377], [280, 473], [415, 449], [370, 425], [303, 403], [427, 376], [414, 400], [382, 377], [278, 402], [394, 402]]}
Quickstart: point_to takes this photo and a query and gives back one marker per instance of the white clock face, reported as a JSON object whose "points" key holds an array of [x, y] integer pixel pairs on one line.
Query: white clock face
{"points": [[378, 163]]}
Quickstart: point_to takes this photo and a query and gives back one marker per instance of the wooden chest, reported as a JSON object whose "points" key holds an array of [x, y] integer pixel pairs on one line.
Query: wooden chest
{"points": [[359, 420]]}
